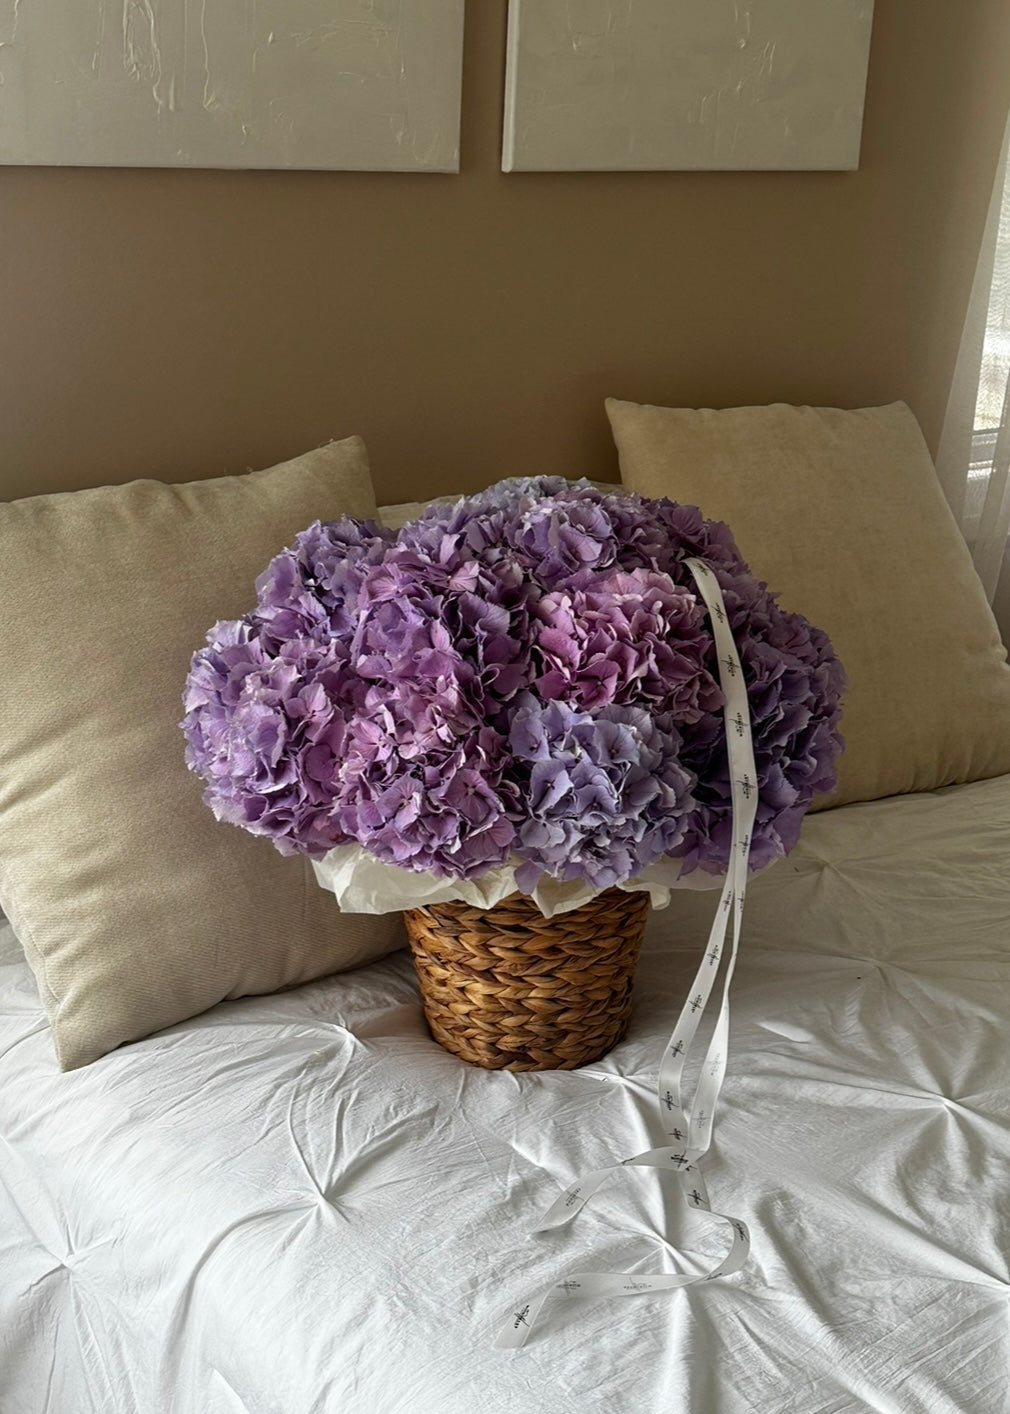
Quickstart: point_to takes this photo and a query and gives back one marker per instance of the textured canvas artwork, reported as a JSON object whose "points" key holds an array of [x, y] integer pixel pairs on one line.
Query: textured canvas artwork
{"points": [[350, 84], [623, 85]]}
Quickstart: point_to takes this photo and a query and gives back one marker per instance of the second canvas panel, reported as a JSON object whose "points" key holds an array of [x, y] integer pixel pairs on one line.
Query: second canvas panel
{"points": [[664, 85]]}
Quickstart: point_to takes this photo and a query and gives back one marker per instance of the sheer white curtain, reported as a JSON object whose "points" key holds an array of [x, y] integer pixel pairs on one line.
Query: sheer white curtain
{"points": [[974, 456]]}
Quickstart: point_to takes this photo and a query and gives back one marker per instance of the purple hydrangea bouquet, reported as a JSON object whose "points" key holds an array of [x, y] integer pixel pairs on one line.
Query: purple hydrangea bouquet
{"points": [[515, 692]]}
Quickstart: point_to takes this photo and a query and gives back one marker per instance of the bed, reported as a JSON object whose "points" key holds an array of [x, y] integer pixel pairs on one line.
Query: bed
{"points": [[237, 1173], [299, 1203]]}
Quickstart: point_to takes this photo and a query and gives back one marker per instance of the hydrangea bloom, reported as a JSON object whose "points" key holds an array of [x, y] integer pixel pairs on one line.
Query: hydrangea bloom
{"points": [[627, 637], [525, 675], [601, 795]]}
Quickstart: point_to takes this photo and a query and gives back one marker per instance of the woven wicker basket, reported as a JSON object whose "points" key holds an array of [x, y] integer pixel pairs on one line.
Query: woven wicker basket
{"points": [[508, 989]]}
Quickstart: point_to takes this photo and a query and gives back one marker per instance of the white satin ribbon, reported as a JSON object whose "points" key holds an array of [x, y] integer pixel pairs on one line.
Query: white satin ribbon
{"points": [[690, 1131]]}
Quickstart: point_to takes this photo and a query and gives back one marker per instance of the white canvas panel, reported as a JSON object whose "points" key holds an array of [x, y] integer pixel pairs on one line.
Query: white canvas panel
{"points": [[654, 85], [368, 85]]}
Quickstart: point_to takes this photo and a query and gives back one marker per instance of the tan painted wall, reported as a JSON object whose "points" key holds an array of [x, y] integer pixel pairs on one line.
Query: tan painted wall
{"points": [[182, 324]]}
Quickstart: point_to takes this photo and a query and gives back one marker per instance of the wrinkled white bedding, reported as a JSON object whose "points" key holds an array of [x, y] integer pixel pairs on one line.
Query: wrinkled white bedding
{"points": [[299, 1204]]}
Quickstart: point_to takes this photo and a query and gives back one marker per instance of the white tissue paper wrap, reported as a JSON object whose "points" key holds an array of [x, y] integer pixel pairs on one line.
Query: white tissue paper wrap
{"points": [[363, 884]]}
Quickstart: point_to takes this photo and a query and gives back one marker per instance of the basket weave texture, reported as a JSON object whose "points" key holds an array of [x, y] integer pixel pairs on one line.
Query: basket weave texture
{"points": [[507, 989]]}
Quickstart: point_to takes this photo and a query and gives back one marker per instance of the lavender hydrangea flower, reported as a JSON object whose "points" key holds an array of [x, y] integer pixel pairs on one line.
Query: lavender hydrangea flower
{"points": [[794, 686], [420, 787], [627, 638], [425, 615], [311, 589], [528, 673], [602, 795], [264, 731], [266, 700]]}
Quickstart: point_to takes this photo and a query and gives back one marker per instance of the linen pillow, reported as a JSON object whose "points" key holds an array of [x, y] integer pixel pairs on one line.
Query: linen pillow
{"points": [[841, 513], [135, 907], [395, 517]]}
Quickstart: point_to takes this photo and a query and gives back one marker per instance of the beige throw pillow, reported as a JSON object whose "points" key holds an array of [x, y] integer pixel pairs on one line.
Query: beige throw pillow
{"points": [[135, 907], [842, 514]]}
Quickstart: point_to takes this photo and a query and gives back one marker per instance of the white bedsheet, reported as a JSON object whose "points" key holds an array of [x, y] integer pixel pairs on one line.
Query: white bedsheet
{"points": [[300, 1204]]}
